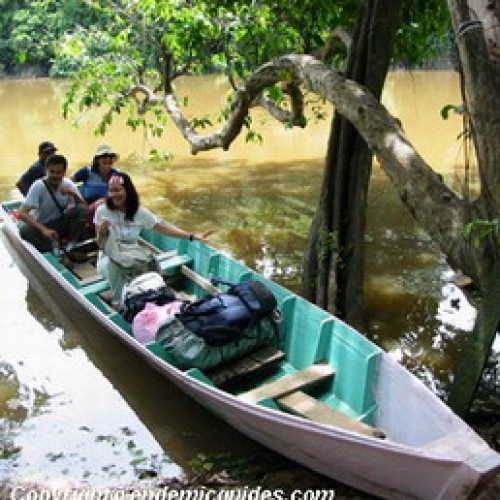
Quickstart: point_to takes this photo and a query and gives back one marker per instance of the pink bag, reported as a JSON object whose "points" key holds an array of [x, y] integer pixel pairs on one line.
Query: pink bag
{"points": [[148, 321]]}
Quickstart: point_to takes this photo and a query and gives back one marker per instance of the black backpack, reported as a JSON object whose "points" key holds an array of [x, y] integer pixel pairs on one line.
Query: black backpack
{"points": [[228, 316], [136, 303], [147, 287]]}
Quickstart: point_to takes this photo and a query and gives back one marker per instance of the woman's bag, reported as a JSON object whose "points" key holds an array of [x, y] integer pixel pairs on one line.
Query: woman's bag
{"points": [[131, 256]]}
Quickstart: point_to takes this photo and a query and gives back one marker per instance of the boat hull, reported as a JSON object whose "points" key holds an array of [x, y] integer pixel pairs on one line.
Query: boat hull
{"points": [[382, 467]]}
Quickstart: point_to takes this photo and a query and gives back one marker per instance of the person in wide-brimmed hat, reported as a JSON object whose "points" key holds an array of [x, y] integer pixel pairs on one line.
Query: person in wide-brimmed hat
{"points": [[45, 150], [93, 180], [95, 177]]}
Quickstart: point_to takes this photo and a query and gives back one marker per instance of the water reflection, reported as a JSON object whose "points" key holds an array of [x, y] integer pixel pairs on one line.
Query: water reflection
{"points": [[45, 391], [455, 312]]}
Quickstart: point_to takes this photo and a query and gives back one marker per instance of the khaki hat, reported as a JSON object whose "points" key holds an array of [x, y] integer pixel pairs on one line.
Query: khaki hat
{"points": [[105, 150]]}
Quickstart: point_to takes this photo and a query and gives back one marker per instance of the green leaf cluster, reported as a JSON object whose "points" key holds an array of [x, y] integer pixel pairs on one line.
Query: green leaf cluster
{"points": [[424, 32], [31, 29], [108, 46], [480, 229]]}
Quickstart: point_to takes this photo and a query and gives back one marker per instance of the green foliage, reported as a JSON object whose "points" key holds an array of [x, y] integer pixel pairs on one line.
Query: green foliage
{"points": [[201, 122], [445, 114], [197, 36], [424, 32], [328, 243], [317, 106], [445, 111], [31, 29], [478, 230]]}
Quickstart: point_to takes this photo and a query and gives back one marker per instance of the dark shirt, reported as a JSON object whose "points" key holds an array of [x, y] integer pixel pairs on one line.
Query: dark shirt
{"points": [[94, 186], [36, 171]]}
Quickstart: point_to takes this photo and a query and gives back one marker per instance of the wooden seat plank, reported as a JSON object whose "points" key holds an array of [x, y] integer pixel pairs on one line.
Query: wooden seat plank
{"points": [[246, 365], [86, 272], [267, 354], [167, 260], [199, 280], [150, 246], [89, 280], [97, 287], [169, 265], [290, 383], [89, 245], [165, 255], [300, 403], [251, 363]]}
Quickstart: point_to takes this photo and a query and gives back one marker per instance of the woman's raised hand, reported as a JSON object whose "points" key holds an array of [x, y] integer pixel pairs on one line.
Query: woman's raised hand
{"points": [[204, 236]]}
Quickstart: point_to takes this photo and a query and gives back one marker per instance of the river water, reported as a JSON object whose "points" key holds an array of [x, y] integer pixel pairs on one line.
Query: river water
{"points": [[80, 412]]}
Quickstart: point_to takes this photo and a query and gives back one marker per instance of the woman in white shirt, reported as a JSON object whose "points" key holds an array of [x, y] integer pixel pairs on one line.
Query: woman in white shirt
{"points": [[123, 218]]}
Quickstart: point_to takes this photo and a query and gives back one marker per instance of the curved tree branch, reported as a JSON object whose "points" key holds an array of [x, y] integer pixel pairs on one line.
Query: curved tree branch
{"points": [[149, 98], [438, 209], [295, 115]]}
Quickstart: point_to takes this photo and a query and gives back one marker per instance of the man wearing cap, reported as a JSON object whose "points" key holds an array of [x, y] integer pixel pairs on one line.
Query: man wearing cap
{"points": [[37, 170]]}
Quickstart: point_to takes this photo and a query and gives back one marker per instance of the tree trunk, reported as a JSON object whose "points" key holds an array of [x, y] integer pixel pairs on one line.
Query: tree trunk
{"points": [[476, 24], [480, 71], [334, 260], [477, 350]]}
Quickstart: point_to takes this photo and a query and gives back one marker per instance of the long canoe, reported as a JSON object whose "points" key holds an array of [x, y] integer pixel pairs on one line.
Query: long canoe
{"points": [[325, 397]]}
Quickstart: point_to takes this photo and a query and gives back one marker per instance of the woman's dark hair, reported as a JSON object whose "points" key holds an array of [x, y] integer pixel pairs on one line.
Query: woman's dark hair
{"points": [[132, 200], [94, 167]]}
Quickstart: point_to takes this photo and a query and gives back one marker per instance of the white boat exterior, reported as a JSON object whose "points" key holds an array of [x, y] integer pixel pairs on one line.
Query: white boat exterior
{"points": [[429, 453]]}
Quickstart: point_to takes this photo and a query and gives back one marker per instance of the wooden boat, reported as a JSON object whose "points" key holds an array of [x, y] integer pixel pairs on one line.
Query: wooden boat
{"points": [[327, 398]]}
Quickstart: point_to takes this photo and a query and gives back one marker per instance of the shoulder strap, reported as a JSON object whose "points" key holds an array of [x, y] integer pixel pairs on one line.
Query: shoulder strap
{"points": [[49, 189]]}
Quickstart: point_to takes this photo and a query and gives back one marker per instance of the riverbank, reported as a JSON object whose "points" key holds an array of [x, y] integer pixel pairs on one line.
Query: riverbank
{"points": [[25, 73]]}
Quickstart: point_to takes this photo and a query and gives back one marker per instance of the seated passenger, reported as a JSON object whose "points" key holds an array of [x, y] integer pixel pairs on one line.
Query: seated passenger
{"points": [[53, 211], [121, 219], [37, 170], [95, 177]]}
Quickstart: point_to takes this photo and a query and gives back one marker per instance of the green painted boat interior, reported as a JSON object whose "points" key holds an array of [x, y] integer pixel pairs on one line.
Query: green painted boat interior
{"points": [[307, 334]]}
